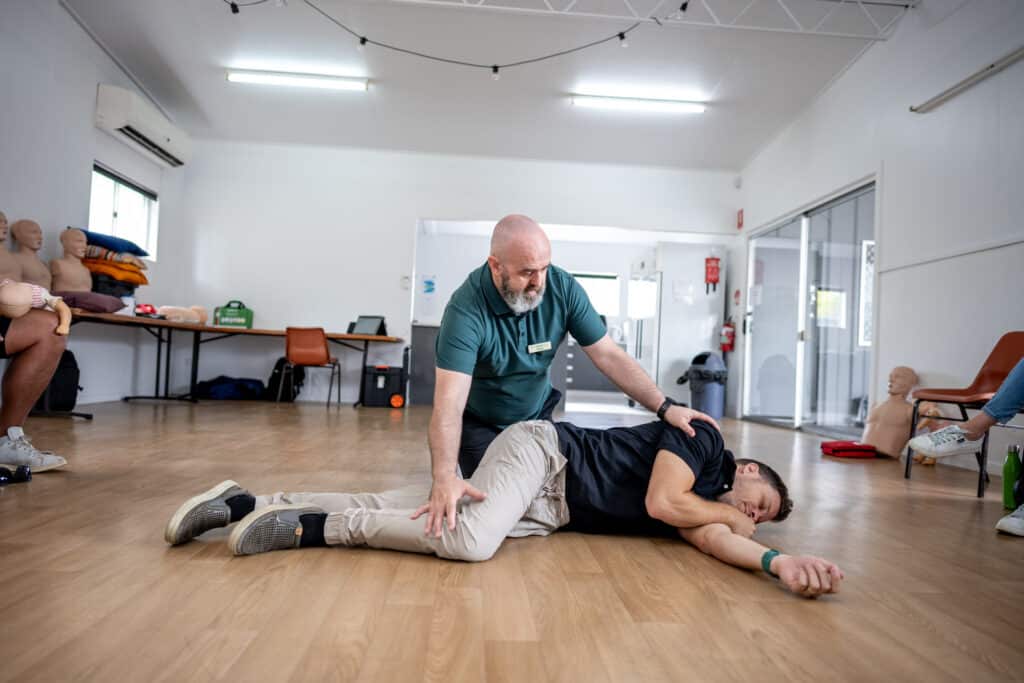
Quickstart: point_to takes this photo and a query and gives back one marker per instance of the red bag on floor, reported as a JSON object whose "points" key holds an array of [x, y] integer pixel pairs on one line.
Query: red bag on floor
{"points": [[848, 449]]}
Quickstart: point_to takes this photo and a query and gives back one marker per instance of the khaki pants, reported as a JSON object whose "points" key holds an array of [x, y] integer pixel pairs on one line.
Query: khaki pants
{"points": [[522, 473]]}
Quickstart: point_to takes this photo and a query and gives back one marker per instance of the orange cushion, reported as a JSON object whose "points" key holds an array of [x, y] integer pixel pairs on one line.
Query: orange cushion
{"points": [[100, 254], [123, 272]]}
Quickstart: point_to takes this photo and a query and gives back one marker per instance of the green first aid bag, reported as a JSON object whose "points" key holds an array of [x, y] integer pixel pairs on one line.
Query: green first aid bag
{"points": [[233, 314]]}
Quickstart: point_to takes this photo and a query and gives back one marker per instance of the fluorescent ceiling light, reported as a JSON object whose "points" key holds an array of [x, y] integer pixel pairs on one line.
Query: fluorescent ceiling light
{"points": [[298, 80], [638, 104]]}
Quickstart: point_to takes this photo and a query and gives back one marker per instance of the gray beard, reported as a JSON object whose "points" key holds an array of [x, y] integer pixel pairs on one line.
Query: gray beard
{"points": [[518, 301]]}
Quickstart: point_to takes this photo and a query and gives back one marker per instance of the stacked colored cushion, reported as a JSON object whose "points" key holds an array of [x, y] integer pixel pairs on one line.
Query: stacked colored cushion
{"points": [[114, 244], [91, 301], [122, 272], [102, 254]]}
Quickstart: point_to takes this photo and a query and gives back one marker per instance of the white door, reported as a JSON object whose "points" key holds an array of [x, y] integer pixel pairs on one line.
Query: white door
{"points": [[691, 311]]}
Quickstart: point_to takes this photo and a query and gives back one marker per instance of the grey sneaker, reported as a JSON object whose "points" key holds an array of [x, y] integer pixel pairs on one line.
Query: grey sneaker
{"points": [[944, 442], [16, 449], [1012, 523], [199, 514], [275, 527]]}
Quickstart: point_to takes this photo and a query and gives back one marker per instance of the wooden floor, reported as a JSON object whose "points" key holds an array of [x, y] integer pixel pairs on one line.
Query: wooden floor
{"points": [[91, 592]]}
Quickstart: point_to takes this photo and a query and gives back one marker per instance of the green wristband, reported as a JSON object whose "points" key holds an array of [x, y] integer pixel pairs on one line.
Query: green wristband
{"points": [[766, 562]]}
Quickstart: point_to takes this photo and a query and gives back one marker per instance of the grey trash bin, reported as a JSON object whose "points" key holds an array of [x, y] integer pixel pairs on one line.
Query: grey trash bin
{"points": [[707, 375]]}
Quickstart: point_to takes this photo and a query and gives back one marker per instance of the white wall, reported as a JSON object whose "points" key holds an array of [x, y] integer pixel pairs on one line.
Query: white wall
{"points": [[948, 184], [318, 235], [47, 148]]}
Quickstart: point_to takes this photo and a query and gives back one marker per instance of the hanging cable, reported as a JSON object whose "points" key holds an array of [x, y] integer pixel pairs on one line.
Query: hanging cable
{"points": [[493, 68], [234, 4]]}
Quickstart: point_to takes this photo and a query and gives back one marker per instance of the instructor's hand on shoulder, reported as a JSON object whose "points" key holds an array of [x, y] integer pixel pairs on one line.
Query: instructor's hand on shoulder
{"points": [[681, 416], [445, 495], [807, 576]]}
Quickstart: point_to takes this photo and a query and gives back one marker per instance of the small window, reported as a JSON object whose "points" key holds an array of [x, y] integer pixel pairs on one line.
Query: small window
{"points": [[603, 290], [123, 209]]}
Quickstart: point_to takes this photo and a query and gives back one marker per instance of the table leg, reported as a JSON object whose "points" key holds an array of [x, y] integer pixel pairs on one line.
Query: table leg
{"points": [[362, 375], [159, 356], [163, 366], [195, 365], [167, 365]]}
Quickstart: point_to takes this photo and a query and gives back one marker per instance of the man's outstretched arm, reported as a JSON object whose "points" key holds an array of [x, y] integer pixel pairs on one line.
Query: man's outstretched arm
{"points": [[804, 575]]}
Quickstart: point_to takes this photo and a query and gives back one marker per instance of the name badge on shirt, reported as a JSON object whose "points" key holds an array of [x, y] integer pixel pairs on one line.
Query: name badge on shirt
{"points": [[540, 346]]}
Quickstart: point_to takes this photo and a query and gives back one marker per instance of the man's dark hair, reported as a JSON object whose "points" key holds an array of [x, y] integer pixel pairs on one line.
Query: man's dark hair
{"points": [[775, 481]]}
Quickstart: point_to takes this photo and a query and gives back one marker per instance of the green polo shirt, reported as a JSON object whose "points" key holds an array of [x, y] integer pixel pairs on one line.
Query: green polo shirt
{"points": [[482, 337]]}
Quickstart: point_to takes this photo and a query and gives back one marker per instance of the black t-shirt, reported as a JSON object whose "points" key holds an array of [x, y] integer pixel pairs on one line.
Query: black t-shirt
{"points": [[609, 470]]}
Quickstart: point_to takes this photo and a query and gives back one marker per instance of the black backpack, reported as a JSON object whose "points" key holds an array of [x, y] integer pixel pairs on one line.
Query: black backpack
{"points": [[62, 393], [225, 388], [293, 381]]}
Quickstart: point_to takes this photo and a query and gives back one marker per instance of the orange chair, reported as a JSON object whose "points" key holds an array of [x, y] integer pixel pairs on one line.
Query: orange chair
{"points": [[1007, 353], [307, 347]]}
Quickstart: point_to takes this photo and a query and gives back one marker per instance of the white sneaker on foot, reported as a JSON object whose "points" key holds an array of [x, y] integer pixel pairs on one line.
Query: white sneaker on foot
{"points": [[1012, 523], [16, 450], [945, 442]]}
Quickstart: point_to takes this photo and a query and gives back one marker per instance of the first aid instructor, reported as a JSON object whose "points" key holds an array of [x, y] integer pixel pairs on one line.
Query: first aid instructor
{"points": [[498, 336]]}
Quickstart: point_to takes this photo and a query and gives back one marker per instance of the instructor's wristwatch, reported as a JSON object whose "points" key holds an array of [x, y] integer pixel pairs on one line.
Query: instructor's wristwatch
{"points": [[664, 407]]}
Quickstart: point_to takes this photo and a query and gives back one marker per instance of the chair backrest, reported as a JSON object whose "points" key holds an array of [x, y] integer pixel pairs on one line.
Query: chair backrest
{"points": [[306, 346], [1005, 355]]}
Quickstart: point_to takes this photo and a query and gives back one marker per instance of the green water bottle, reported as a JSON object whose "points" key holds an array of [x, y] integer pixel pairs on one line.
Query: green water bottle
{"points": [[1011, 472]]}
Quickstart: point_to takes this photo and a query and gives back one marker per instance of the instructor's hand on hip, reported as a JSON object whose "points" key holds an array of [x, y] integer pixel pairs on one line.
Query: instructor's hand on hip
{"points": [[445, 495], [681, 416]]}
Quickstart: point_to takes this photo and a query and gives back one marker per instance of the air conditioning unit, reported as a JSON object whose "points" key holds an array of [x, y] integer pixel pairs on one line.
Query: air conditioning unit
{"points": [[138, 124]]}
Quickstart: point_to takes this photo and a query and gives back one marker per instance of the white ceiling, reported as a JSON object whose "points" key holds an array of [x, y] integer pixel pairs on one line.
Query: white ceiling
{"points": [[755, 82]]}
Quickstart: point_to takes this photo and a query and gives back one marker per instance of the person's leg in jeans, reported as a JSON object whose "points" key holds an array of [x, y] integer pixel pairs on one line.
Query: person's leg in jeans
{"points": [[965, 437], [522, 474], [1007, 402]]}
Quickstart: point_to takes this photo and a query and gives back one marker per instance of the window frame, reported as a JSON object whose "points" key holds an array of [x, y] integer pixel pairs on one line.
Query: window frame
{"points": [[153, 205], [601, 276]]}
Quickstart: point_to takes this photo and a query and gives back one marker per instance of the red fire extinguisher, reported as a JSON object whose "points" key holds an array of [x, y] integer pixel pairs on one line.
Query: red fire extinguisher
{"points": [[728, 337], [712, 272]]}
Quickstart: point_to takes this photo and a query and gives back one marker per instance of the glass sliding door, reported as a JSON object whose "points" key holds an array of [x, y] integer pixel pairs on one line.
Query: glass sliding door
{"points": [[837, 329], [772, 322], [644, 314], [809, 318]]}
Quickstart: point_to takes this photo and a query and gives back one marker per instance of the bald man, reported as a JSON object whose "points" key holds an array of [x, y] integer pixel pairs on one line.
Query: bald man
{"points": [[498, 336]]}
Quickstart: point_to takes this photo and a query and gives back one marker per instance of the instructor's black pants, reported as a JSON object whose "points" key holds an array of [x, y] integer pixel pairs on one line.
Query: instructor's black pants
{"points": [[477, 435]]}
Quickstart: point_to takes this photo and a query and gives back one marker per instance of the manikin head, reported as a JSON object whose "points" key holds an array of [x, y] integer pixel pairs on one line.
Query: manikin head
{"points": [[901, 380], [758, 492], [519, 260], [4, 227], [74, 242], [28, 234], [15, 299]]}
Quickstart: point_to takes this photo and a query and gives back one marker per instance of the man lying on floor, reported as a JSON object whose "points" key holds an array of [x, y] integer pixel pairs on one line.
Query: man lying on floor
{"points": [[535, 478]]}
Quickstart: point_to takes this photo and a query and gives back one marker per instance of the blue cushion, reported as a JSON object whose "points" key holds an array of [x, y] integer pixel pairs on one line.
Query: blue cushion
{"points": [[114, 243]]}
